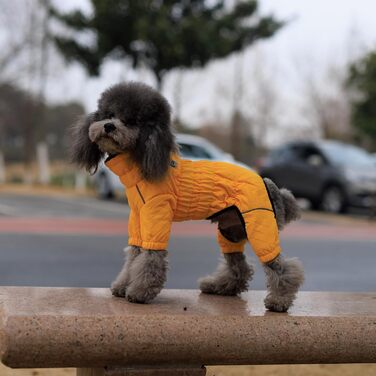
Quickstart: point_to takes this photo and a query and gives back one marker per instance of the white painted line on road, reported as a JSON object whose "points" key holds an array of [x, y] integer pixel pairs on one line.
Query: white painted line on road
{"points": [[8, 210], [92, 203]]}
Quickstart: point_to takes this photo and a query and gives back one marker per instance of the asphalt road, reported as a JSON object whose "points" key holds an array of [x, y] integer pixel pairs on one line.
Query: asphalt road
{"points": [[45, 241]]}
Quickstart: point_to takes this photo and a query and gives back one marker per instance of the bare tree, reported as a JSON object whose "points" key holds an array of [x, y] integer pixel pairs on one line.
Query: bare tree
{"points": [[12, 46], [17, 25], [24, 62], [325, 98], [236, 132], [264, 98], [328, 104]]}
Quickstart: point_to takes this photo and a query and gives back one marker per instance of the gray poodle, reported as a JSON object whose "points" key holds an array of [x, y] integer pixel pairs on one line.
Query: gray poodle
{"points": [[132, 128]]}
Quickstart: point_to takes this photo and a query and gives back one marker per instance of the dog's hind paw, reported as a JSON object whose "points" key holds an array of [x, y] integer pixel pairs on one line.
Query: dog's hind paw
{"points": [[208, 286], [230, 278], [218, 286], [278, 303]]}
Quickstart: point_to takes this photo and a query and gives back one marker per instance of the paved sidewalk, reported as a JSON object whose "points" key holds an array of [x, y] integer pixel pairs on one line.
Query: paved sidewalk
{"points": [[280, 370]]}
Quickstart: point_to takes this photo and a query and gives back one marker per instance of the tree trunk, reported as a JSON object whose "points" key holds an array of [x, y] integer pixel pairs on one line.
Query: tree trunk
{"points": [[178, 99], [236, 135]]}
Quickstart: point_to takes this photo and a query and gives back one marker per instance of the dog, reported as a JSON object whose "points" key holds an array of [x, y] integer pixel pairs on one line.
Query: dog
{"points": [[132, 128]]}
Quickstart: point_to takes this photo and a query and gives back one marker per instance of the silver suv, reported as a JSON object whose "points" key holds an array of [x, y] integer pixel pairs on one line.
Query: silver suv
{"points": [[331, 174]]}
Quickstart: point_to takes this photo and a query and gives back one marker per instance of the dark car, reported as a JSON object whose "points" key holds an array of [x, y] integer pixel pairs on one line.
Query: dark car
{"points": [[332, 175]]}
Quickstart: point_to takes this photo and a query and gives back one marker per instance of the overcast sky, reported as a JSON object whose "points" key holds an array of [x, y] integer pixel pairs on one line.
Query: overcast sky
{"points": [[319, 33]]}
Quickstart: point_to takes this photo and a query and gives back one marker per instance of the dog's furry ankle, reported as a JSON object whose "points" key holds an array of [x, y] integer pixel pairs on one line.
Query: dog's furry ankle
{"points": [[147, 276], [284, 277], [119, 286], [277, 303], [230, 278]]}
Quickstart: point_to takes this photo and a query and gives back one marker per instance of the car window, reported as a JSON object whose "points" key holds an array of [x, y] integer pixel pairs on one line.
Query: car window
{"points": [[193, 151], [283, 155], [305, 153], [347, 155]]}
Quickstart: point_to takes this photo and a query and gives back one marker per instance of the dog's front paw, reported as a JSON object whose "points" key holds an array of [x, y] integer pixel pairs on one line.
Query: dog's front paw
{"points": [[118, 290], [119, 286], [277, 303], [140, 295], [148, 275]]}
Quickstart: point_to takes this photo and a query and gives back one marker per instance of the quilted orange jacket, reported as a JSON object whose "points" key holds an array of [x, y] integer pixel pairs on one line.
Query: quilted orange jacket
{"points": [[195, 190]]}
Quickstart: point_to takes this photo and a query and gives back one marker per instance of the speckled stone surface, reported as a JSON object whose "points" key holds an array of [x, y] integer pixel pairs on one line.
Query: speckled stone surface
{"points": [[67, 327]]}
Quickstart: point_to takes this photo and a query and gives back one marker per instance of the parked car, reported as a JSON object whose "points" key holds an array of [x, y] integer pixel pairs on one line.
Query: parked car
{"points": [[332, 175], [191, 147]]}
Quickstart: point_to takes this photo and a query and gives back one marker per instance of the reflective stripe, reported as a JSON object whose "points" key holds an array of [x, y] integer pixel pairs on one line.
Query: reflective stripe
{"points": [[140, 194], [247, 211]]}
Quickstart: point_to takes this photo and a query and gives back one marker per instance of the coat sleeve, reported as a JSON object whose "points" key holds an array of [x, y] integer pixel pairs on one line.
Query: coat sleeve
{"points": [[134, 233], [156, 217], [262, 233]]}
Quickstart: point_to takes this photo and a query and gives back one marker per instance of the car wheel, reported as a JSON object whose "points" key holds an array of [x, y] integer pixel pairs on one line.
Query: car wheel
{"points": [[316, 204], [333, 200], [104, 188]]}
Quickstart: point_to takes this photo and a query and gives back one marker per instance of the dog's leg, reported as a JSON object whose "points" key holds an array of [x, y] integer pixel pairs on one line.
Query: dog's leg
{"points": [[284, 277], [147, 276], [230, 278], [121, 282]]}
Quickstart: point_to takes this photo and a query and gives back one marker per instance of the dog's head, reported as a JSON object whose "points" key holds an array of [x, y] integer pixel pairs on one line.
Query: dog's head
{"points": [[131, 118]]}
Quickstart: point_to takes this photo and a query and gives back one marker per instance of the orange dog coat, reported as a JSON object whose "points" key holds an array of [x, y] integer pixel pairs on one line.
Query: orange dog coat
{"points": [[196, 190]]}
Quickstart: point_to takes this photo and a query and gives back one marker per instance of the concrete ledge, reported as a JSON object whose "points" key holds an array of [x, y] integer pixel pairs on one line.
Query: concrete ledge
{"points": [[67, 327]]}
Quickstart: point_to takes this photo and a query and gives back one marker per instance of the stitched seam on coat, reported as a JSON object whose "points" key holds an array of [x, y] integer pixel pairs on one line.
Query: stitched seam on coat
{"points": [[140, 194]]}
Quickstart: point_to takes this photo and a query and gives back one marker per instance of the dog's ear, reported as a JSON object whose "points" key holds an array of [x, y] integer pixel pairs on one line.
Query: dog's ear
{"points": [[84, 152], [154, 151]]}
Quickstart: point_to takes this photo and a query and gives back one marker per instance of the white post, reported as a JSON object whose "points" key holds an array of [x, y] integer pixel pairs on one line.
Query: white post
{"points": [[43, 163], [80, 181], [2, 168]]}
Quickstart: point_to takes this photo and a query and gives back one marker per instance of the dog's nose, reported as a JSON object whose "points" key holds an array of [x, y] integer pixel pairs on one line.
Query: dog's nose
{"points": [[109, 127]]}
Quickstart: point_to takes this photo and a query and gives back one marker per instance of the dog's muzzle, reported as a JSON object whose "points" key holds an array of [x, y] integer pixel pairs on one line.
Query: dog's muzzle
{"points": [[102, 128]]}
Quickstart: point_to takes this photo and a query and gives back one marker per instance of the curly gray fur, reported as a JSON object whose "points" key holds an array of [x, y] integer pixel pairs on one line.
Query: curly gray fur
{"points": [[292, 210], [147, 276], [148, 138], [84, 152], [119, 286], [285, 206], [230, 278], [284, 277], [140, 106]]}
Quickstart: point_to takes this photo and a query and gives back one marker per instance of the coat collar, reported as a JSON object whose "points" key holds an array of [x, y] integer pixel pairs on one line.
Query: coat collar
{"points": [[123, 166], [126, 169]]}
